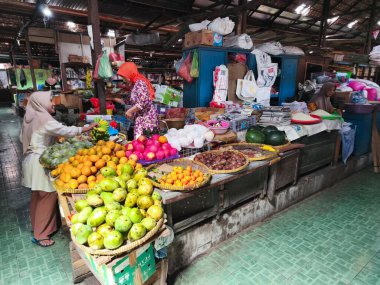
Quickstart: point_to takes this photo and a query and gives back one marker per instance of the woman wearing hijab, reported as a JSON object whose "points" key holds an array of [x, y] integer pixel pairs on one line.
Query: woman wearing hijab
{"points": [[39, 130], [142, 95], [323, 98]]}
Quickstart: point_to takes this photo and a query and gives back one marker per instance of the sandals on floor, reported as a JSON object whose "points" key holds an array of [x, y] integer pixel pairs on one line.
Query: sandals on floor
{"points": [[38, 242]]}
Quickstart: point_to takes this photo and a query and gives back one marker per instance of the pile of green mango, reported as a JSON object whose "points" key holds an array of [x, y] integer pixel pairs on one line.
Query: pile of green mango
{"points": [[119, 209]]}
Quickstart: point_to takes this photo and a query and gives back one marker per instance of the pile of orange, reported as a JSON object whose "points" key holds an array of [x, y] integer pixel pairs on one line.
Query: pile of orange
{"points": [[82, 171], [182, 177]]}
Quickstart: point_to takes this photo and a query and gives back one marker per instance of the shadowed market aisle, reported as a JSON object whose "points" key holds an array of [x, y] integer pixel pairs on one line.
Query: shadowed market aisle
{"points": [[331, 238]]}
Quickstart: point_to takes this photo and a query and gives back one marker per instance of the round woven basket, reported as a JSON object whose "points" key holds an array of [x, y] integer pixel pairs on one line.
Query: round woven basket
{"points": [[70, 191], [213, 171], [183, 163], [274, 154], [124, 248]]}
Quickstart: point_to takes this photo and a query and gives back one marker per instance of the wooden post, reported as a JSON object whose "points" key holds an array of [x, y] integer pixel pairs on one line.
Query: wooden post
{"points": [[371, 23], [323, 26], [29, 51], [93, 20], [241, 25]]}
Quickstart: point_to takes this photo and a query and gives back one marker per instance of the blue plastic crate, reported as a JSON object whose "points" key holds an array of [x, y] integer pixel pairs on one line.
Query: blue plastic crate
{"points": [[363, 136]]}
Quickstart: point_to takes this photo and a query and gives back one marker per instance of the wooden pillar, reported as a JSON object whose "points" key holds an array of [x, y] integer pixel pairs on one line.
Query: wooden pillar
{"points": [[323, 26], [241, 23], [93, 20], [29, 51], [13, 57], [371, 23]]}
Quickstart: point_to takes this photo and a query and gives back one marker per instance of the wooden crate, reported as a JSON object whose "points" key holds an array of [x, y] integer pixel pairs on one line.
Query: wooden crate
{"points": [[67, 205]]}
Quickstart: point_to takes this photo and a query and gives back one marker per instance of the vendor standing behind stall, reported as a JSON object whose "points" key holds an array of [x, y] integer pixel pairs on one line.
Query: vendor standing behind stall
{"points": [[39, 131], [323, 98], [142, 95]]}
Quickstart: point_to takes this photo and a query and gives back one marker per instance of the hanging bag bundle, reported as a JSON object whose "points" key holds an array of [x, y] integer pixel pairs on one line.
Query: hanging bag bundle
{"points": [[105, 68], [194, 72], [246, 88]]}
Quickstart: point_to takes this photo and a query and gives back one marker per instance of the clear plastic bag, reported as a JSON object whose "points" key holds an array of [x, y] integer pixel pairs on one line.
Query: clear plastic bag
{"points": [[194, 72], [105, 68], [348, 140]]}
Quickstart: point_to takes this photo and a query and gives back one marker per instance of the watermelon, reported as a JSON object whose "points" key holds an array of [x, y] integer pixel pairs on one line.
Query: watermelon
{"points": [[254, 136], [269, 129], [255, 128], [275, 138]]}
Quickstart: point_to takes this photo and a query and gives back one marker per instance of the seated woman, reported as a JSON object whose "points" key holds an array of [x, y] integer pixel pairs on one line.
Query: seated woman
{"points": [[323, 98]]}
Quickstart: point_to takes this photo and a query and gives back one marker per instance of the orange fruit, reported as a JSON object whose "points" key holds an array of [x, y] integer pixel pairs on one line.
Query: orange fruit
{"points": [[79, 152], [75, 163], [118, 172], [94, 158], [86, 171], [67, 168], [133, 157], [99, 177], [71, 159], [91, 178], [82, 179], [100, 143], [80, 165], [75, 173], [92, 151], [132, 163], [54, 173], [138, 166], [93, 169], [85, 152], [120, 154], [65, 177], [123, 160], [83, 186], [100, 163], [73, 184], [87, 163], [112, 164], [111, 144], [91, 185], [99, 153], [106, 150], [106, 157], [59, 182], [118, 147], [115, 159], [162, 139]]}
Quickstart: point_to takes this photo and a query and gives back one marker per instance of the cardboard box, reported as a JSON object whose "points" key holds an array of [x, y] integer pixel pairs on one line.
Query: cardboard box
{"points": [[204, 37], [135, 268]]}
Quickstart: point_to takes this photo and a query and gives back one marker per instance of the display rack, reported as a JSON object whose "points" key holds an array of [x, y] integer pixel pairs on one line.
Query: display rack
{"points": [[73, 71]]}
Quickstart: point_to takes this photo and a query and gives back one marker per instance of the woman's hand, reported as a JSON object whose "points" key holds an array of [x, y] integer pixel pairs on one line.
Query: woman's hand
{"points": [[119, 100], [129, 113], [89, 127]]}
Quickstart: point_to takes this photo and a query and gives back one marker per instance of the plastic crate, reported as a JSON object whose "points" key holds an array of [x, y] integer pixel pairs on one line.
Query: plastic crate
{"points": [[186, 152], [124, 123], [243, 124]]}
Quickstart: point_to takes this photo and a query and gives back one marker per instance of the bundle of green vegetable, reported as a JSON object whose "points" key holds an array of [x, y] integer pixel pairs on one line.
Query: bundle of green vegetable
{"points": [[100, 132]]}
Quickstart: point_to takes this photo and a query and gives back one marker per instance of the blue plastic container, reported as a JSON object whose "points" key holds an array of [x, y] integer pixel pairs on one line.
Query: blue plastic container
{"points": [[363, 136]]}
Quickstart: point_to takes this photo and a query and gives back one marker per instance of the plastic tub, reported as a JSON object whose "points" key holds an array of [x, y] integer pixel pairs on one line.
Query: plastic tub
{"points": [[363, 136]]}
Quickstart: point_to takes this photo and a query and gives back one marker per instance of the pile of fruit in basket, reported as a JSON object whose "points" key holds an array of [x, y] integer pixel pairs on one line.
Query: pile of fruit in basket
{"points": [[269, 135], [181, 176], [120, 209], [254, 152], [89, 166], [223, 160], [61, 152], [150, 149]]}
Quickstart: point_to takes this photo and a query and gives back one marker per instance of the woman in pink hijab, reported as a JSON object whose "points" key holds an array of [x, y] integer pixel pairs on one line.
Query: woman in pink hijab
{"points": [[40, 130]]}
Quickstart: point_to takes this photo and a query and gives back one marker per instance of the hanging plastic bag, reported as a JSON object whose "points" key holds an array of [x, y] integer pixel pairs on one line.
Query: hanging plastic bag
{"points": [[220, 82], [348, 140], [105, 68], [246, 88], [96, 70], [184, 69], [23, 80], [267, 75], [194, 72]]}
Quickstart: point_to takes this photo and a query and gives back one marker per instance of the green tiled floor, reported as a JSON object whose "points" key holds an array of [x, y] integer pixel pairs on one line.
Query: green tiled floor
{"points": [[332, 238]]}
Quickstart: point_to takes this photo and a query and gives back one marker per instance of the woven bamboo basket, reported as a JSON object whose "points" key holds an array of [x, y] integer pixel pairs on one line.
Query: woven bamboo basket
{"points": [[71, 191], [213, 171], [183, 163], [264, 157], [124, 248]]}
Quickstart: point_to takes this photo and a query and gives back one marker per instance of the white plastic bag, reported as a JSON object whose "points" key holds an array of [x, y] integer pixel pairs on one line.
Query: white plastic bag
{"points": [[199, 26], [220, 81], [246, 88], [274, 48], [239, 41], [262, 58], [266, 75], [293, 50], [263, 96], [222, 26]]}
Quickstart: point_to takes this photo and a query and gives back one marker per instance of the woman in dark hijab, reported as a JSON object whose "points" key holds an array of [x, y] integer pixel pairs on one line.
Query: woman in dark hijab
{"points": [[322, 98]]}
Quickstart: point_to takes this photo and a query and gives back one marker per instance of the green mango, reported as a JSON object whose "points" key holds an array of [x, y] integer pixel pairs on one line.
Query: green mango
{"points": [[109, 184], [97, 217], [83, 233]]}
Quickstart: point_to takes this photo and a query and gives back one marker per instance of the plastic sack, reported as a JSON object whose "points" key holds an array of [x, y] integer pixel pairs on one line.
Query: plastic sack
{"points": [[347, 134], [355, 85], [267, 75], [371, 94], [239, 41], [263, 96], [199, 26], [293, 50], [194, 72], [222, 26], [262, 58], [105, 68], [184, 69], [220, 81], [274, 48], [143, 39]]}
